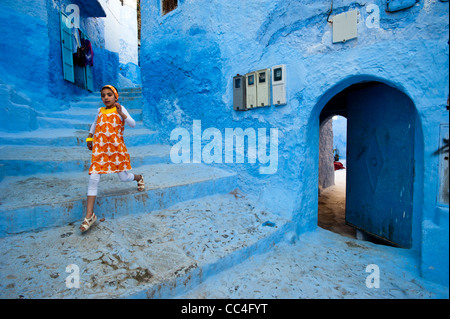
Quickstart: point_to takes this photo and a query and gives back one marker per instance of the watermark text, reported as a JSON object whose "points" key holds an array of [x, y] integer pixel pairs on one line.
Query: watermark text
{"points": [[191, 148]]}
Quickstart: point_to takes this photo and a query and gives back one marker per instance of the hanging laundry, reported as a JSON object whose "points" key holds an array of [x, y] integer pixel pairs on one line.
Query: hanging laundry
{"points": [[89, 53], [76, 43], [82, 49], [79, 57], [81, 52]]}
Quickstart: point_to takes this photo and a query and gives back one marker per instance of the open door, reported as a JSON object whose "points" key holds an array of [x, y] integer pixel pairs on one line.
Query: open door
{"points": [[380, 163]]}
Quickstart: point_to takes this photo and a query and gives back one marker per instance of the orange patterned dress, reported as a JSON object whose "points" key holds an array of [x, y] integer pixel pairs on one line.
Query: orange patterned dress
{"points": [[109, 153]]}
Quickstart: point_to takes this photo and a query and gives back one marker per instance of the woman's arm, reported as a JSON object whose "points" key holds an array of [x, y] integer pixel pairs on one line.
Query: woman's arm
{"points": [[125, 115]]}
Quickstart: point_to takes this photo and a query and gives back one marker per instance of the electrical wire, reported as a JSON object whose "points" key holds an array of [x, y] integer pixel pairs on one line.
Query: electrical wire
{"points": [[329, 13]]}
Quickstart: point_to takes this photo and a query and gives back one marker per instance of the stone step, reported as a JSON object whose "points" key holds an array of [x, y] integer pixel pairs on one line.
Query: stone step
{"points": [[130, 101], [87, 114], [123, 91], [131, 89], [124, 94], [137, 91], [22, 160], [90, 102], [28, 203], [51, 122], [73, 137], [155, 255]]}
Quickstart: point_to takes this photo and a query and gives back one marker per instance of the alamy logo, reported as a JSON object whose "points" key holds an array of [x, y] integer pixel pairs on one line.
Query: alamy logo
{"points": [[373, 279], [73, 19], [73, 280], [230, 149]]}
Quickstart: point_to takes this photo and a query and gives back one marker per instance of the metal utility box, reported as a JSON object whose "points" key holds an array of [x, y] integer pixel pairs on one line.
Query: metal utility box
{"points": [[279, 84], [344, 26], [263, 88], [239, 96], [251, 90]]}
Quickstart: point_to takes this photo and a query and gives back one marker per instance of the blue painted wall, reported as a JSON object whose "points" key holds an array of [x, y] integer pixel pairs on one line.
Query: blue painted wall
{"points": [[31, 63], [22, 27], [189, 56]]}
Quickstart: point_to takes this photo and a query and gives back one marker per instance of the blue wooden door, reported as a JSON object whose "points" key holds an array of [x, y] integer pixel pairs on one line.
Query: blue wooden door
{"points": [[66, 46], [380, 163]]}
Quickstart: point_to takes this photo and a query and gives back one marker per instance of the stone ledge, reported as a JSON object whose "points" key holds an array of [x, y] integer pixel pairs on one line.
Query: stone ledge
{"points": [[48, 200], [152, 255]]}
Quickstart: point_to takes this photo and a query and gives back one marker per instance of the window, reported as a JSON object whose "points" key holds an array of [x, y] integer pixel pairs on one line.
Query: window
{"points": [[168, 5], [278, 74], [262, 77], [237, 83], [251, 79]]}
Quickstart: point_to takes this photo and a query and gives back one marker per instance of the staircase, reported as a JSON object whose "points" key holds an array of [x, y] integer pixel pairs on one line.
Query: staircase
{"points": [[189, 223]]}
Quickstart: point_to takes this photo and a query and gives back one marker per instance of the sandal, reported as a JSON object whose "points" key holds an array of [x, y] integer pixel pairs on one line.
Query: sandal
{"points": [[89, 222], [141, 184]]}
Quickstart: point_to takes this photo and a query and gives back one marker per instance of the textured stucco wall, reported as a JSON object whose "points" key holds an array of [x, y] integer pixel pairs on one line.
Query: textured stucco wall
{"points": [[190, 55]]}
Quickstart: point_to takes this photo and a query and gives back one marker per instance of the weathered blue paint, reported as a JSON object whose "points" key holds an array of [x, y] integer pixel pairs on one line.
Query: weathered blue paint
{"points": [[190, 56]]}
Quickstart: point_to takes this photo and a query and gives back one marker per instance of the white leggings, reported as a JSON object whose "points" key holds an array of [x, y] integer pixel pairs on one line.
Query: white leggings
{"points": [[94, 179]]}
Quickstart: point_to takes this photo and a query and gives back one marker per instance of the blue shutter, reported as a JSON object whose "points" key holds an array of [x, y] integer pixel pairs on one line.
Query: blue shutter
{"points": [[66, 46]]}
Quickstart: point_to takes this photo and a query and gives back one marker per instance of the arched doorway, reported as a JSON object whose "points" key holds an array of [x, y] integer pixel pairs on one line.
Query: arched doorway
{"points": [[380, 159]]}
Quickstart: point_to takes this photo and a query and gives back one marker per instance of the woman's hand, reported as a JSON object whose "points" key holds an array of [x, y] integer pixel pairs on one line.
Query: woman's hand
{"points": [[89, 143], [119, 110]]}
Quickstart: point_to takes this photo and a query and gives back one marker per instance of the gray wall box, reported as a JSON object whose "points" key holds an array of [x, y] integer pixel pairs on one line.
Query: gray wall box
{"points": [[239, 96], [344, 26]]}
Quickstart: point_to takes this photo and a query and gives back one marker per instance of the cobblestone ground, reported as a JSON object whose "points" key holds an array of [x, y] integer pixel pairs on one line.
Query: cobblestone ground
{"points": [[322, 264]]}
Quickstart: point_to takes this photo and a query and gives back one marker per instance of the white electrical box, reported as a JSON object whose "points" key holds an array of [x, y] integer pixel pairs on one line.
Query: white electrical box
{"points": [[344, 26], [279, 84], [251, 90], [263, 88]]}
